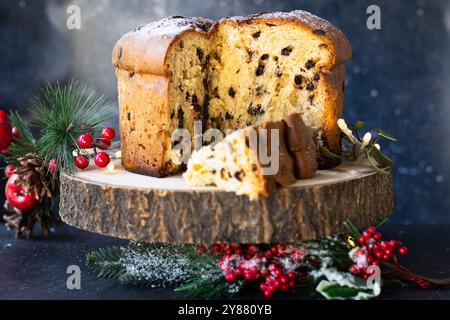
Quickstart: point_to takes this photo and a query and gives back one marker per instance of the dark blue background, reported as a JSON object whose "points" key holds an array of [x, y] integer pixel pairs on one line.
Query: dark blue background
{"points": [[398, 78]]}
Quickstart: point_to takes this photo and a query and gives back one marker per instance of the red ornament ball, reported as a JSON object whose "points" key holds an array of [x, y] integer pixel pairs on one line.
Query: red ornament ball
{"points": [[5, 135], [3, 115], [9, 170], [103, 144], [53, 165], [17, 197], [101, 159], [85, 141], [108, 134], [82, 162]]}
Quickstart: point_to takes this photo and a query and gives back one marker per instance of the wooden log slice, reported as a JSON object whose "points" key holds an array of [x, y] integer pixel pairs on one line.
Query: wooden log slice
{"points": [[135, 207]]}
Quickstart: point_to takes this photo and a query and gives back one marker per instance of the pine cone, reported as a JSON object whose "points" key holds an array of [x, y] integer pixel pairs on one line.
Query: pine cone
{"points": [[33, 176]]}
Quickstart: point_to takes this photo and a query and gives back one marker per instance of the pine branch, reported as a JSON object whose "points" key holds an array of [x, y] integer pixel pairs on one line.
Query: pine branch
{"points": [[62, 114], [145, 264], [25, 144]]}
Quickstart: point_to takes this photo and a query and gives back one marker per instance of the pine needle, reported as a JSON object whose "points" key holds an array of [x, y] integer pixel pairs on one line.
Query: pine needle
{"points": [[63, 113]]}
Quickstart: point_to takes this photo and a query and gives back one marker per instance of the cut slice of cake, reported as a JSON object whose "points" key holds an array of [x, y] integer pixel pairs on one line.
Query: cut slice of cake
{"points": [[239, 162], [229, 74]]}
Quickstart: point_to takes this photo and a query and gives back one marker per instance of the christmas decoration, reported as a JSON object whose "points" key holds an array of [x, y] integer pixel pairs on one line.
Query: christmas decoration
{"points": [[82, 162], [3, 115], [85, 141], [359, 149], [18, 197], [62, 114], [9, 170], [108, 134], [101, 159], [5, 134], [103, 144], [335, 267]]}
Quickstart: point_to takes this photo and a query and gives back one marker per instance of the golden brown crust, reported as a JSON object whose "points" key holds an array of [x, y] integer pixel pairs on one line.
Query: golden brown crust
{"points": [[144, 50], [334, 105], [146, 156]]}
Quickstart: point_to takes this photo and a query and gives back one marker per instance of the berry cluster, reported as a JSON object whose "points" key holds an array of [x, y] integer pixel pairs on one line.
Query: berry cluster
{"points": [[10, 134], [373, 251], [86, 141], [274, 266]]}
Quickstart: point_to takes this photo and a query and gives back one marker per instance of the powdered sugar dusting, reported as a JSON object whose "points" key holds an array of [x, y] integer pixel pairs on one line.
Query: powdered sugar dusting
{"points": [[171, 27], [301, 16]]}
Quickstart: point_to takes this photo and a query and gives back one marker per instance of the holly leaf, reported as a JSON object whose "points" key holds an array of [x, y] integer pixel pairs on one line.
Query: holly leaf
{"points": [[358, 125], [386, 135], [376, 167], [327, 153], [332, 290], [382, 160]]}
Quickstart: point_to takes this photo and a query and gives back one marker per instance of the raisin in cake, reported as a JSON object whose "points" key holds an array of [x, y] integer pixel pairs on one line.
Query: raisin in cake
{"points": [[234, 164], [229, 74]]}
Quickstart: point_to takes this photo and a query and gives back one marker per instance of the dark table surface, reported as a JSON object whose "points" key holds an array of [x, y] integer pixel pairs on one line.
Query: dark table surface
{"points": [[36, 269]]}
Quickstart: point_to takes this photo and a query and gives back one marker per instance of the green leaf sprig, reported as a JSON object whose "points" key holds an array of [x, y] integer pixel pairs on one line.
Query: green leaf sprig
{"points": [[365, 147]]}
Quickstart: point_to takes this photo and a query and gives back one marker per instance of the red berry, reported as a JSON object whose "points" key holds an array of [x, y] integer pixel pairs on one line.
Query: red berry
{"points": [[292, 275], [393, 244], [262, 286], [230, 276], [53, 165], [354, 269], [108, 134], [361, 239], [387, 257], [15, 132], [101, 159], [102, 144], [276, 283], [85, 141], [403, 251], [366, 235], [9, 170], [265, 272], [378, 255], [377, 236], [248, 276], [370, 260], [267, 293], [82, 162], [274, 250], [284, 287], [278, 272], [292, 283], [284, 279], [3, 115], [5, 135], [202, 248], [252, 249], [216, 247], [371, 230]]}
